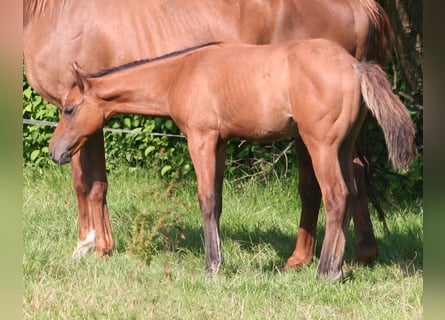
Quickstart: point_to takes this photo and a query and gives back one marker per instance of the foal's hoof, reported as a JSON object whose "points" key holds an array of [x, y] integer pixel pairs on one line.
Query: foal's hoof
{"points": [[330, 275], [212, 271], [329, 271], [213, 268]]}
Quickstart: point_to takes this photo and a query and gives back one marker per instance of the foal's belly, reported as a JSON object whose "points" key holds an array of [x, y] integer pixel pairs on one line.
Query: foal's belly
{"points": [[266, 130]]}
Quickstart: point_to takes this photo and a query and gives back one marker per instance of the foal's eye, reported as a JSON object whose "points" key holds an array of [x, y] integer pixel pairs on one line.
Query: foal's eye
{"points": [[68, 111]]}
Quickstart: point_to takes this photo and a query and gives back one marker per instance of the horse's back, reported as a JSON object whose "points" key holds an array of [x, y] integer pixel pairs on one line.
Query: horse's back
{"points": [[107, 33], [102, 34]]}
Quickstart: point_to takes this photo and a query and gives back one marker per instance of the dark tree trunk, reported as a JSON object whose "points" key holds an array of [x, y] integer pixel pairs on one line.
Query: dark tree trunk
{"points": [[406, 18]]}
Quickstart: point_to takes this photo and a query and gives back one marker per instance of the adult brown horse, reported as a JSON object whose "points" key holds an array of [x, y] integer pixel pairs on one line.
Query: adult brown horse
{"points": [[104, 33], [310, 88]]}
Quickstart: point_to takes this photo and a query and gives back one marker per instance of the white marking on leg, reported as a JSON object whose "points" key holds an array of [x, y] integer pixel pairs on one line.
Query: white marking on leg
{"points": [[83, 246]]}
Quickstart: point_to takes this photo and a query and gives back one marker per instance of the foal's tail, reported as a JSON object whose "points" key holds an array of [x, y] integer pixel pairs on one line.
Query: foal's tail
{"points": [[391, 114]]}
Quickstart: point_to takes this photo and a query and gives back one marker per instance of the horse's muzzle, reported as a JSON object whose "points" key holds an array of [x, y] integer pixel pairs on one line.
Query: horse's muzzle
{"points": [[60, 158]]}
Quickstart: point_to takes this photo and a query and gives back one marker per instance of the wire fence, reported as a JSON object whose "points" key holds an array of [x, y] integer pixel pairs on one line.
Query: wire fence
{"points": [[54, 124], [266, 163]]}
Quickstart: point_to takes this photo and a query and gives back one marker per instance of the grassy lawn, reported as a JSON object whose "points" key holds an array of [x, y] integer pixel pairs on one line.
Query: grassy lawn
{"points": [[157, 269]]}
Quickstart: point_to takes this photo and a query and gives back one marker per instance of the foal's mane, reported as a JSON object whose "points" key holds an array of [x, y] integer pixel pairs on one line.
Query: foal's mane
{"points": [[136, 63]]}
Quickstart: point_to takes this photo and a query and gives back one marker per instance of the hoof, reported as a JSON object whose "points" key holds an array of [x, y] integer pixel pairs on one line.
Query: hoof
{"points": [[366, 257], [329, 271], [330, 275], [295, 263], [83, 246], [214, 267]]}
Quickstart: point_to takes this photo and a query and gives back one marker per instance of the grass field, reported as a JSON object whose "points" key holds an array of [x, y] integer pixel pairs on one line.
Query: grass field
{"points": [[157, 269]]}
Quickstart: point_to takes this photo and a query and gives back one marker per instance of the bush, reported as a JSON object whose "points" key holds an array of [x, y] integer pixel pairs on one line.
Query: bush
{"points": [[36, 137]]}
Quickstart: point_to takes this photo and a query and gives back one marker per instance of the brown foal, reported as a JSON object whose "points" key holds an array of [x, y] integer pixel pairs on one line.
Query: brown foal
{"points": [[311, 89]]}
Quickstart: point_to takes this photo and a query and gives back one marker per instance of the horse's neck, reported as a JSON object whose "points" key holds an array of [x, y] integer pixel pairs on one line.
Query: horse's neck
{"points": [[141, 90]]}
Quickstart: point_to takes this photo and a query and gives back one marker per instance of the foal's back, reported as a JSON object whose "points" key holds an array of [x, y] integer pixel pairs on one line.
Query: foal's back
{"points": [[262, 92]]}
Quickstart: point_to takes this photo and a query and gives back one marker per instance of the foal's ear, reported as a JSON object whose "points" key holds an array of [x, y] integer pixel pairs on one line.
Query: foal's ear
{"points": [[80, 77]]}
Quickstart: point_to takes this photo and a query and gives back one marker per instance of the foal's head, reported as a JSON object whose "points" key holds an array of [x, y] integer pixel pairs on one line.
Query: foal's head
{"points": [[81, 117]]}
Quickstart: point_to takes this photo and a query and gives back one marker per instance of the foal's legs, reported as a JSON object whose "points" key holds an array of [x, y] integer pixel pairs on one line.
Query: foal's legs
{"points": [[208, 156], [309, 190], [334, 173], [90, 184]]}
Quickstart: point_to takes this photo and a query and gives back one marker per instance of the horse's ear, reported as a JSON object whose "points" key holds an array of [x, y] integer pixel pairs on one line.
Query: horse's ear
{"points": [[80, 77]]}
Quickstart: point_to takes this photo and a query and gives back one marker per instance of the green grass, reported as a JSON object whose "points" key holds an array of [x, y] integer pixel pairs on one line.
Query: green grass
{"points": [[163, 277]]}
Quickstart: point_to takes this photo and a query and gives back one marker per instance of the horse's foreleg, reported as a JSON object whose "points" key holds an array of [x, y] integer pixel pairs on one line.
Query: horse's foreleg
{"points": [[366, 244], [208, 159], [310, 196], [87, 233], [90, 184]]}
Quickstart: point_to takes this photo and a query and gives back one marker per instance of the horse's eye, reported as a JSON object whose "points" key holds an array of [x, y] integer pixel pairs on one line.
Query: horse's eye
{"points": [[68, 111]]}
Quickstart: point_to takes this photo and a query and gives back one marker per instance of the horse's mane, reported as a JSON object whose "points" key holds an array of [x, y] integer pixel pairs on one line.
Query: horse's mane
{"points": [[32, 9], [136, 63]]}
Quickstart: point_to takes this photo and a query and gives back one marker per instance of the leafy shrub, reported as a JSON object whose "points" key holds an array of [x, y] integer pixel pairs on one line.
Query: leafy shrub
{"points": [[151, 233], [160, 228], [36, 137]]}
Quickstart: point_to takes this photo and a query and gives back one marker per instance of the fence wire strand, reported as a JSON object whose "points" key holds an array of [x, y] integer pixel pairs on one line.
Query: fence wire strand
{"points": [[54, 124]]}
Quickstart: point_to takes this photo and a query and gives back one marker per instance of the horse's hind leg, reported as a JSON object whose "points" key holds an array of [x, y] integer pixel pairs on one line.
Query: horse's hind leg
{"points": [[366, 244], [310, 195], [90, 184]]}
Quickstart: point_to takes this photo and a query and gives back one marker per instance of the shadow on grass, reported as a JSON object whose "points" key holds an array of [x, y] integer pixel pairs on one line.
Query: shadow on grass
{"points": [[402, 248]]}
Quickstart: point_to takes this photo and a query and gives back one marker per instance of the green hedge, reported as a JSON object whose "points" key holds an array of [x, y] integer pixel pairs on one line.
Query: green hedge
{"points": [[170, 156]]}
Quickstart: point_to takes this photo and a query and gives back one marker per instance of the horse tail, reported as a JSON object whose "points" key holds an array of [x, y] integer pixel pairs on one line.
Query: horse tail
{"points": [[390, 113], [380, 36]]}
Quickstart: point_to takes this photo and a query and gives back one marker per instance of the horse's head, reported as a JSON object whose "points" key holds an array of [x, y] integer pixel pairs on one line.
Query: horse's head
{"points": [[81, 117]]}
